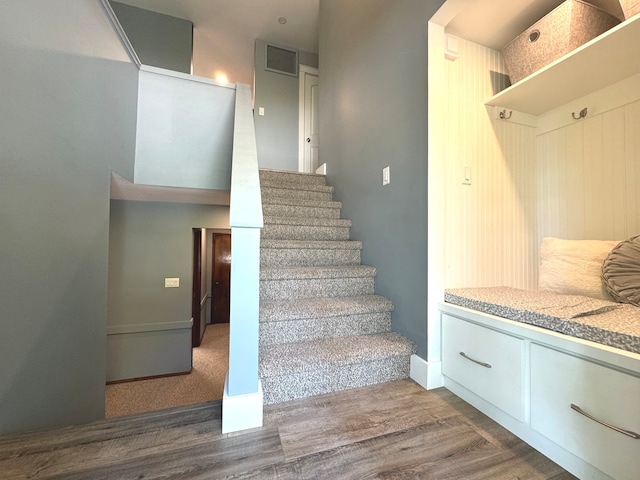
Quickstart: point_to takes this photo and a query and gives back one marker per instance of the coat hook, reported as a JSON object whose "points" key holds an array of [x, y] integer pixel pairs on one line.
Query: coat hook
{"points": [[582, 114], [503, 114]]}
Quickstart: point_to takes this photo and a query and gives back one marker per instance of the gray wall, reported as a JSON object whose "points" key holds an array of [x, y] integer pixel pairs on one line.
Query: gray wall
{"points": [[185, 132], [68, 117], [148, 242], [277, 131], [159, 40], [373, 113]]}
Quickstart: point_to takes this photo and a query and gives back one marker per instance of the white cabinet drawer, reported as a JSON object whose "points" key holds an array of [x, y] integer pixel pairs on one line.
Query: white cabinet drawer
{"points": [[559, 380], [485, 361]]}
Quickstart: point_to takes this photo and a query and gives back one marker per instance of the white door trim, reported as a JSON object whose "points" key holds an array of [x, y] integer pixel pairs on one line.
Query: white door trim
{"points": [[304, 69]]}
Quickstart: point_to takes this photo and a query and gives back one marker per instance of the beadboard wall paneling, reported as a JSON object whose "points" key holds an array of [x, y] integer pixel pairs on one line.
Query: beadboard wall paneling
{"points": [[632, 166], [588, 177], [491, 225]]}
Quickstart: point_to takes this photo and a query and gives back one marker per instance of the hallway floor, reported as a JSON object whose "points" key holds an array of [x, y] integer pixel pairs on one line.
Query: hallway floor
{"points": [[203, 384], [394, 430]]}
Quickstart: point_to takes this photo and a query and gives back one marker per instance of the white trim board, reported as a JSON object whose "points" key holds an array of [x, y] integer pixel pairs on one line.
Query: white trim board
{"points": [[148, 327], [426, 374], [241, 412], [123, 189]]}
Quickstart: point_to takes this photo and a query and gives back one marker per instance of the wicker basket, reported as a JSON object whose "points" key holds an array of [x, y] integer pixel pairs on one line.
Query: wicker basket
{"points": [[564, 29], [630, 7]]}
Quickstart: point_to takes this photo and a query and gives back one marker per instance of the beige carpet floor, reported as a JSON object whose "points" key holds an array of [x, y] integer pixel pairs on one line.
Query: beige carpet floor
{"points": [[204, 383]]}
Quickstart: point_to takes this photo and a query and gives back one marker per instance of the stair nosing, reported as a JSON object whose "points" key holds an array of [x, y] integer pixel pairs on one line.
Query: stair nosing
{"points": [[293, 186], [270, 171], [294, 202], [317, 272], [308, 308], [307, 221], [338, 354], [282, 244]]}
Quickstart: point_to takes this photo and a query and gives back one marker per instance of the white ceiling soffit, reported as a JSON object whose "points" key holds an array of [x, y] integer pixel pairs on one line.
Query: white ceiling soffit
{"points": [[494, 23]]}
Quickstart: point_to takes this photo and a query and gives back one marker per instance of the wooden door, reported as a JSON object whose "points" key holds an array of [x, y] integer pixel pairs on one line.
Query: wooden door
{"points": [[221, 278]]}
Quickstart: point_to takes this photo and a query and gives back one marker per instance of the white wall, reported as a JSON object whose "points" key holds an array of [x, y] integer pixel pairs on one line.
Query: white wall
{"points": [[490, 225], [588, 170]]}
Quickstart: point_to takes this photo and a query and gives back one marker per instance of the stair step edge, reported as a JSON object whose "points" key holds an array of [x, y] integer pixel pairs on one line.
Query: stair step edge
{"points": [[291, 358], [269, 187], [316, 273], [288, 201], [305, 221], [283, 310], [300, 176], [269, 243]]}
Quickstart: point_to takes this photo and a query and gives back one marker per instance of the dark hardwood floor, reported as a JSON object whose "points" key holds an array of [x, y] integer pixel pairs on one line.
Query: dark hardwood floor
{"points": [[395, 430]]}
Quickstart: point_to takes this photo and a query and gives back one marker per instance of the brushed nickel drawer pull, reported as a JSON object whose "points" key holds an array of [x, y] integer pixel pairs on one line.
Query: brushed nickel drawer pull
{"points": [[485, 365], [628, 433]]}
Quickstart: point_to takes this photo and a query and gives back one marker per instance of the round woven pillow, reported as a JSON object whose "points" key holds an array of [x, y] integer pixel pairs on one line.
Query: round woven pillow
{"points": [[621, 271]]}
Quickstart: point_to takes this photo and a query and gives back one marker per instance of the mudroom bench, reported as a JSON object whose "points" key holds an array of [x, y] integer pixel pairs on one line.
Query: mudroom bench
{"points": [[562, 372]]}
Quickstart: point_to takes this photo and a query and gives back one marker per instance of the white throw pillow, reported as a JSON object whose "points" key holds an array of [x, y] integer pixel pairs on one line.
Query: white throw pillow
{"points": [[574, 267]]}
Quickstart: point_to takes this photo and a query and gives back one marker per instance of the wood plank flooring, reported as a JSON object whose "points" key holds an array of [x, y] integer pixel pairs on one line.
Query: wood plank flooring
{"points": [[395, 430]]}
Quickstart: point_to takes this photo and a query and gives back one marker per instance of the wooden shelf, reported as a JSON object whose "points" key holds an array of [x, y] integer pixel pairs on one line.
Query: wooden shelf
{"points": [[605, 60]]}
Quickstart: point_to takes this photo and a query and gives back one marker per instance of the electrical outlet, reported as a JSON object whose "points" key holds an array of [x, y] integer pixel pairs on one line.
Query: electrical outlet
{"points": [[171, 282]]}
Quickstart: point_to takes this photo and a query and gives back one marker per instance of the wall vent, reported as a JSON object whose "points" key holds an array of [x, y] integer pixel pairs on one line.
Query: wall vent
{"points": [[281, 60]]}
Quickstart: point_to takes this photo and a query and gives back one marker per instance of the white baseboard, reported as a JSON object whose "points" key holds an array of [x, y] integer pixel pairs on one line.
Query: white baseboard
{"points": [[434, 376], [426, 374], [241, 412], [322, 169]]}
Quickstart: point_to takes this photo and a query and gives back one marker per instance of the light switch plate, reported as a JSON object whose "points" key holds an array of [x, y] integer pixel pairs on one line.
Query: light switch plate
{"points": [[386, 176], [261, 111], [466, 175], [171, 282]]}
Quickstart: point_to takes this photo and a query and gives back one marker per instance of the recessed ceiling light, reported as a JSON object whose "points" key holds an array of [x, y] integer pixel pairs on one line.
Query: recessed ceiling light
{"points": [[282, 20]]}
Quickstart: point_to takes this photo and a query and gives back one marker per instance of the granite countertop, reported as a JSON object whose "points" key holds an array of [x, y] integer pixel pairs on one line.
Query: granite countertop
{"points": [[608, 323]]}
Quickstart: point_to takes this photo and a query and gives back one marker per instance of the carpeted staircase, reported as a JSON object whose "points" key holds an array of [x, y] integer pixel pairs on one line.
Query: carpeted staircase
{"points": [[322, 328]]}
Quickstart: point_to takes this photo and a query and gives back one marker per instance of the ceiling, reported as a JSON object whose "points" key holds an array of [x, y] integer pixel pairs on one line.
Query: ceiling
{"points": [[225, 30]]}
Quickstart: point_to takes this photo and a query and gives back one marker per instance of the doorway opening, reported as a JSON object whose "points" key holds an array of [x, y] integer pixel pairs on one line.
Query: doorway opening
{"points": [[308, 119], [211, 264]]}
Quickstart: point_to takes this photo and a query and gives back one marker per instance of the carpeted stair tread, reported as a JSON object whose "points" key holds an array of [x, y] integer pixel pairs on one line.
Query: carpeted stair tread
{"points": [[292, 194], [291, 177], [317, 273], [323, 307], [291, 358], [311, 244], [301, 254], [311, 222], [275, 188], [322, 328], [301, 202], [308, 329], [285, 211]]}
